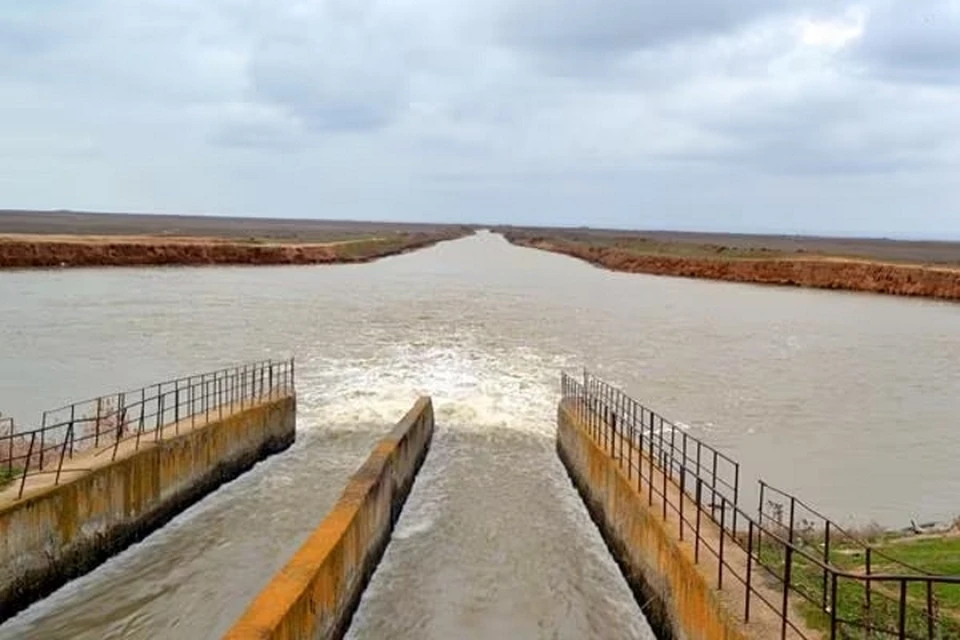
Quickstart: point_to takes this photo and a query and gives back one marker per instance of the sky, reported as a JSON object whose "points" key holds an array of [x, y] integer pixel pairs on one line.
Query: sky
{"points": [[742, 115]]}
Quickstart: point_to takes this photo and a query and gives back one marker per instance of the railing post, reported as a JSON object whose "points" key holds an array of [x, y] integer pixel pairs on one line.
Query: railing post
{"points": [[833, 605], [143, 408], [723, 518], [121, 413], [696, 546], [121, 422], [96, 425], [640, 453], [663, 467], [760, 521], [63, 452], [787, 569], [902, 626], [73, 417], [826, 561], [628, 409], [683, 452], [683, 490], [10, 452], [26, 467], [713, 487], [673, 448], [652, 460], [663, 457], [158, 436], [43, 438], [736, 494], [622, 412], [866, 583], [176, 404], [746, 595], [699, 456], [930, 611]]}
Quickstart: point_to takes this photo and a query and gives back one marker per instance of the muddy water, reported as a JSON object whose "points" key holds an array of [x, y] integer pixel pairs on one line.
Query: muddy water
{"points": [[848, 399]]}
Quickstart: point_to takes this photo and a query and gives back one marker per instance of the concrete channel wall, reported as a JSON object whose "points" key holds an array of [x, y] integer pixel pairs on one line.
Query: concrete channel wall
{"points": [[316, 593], [60, 532], [676, 598]]}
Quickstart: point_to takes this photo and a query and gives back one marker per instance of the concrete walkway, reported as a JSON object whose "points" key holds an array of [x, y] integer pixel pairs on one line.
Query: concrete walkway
{"points": [[765, 620], [85, 461]]}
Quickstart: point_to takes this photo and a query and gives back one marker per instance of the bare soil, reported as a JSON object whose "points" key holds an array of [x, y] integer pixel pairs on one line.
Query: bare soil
{"points": [[72, 223], [750, 245], [64, 239], [887, 269]]}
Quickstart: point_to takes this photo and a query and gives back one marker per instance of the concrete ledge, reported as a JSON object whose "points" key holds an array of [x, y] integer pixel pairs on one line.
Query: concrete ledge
{"points": [[61, 532], [317, 592], [677, 600]]}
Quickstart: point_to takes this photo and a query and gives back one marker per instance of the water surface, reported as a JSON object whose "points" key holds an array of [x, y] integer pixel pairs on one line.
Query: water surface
{"points": [[848, 399]]}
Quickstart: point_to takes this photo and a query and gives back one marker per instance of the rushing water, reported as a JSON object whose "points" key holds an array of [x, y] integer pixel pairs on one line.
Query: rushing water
{"points": [[847, 399]]}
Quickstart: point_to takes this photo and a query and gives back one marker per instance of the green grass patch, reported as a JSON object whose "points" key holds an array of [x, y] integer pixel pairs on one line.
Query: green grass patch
{"points": [[7, 476], [811, 594]]}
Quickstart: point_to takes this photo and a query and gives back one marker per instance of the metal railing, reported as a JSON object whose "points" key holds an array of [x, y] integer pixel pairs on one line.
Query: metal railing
{"points": [[785, 556], [149, 414]]}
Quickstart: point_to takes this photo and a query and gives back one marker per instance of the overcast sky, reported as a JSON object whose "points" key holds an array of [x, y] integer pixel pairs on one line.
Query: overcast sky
{"points": [[746, 115]]}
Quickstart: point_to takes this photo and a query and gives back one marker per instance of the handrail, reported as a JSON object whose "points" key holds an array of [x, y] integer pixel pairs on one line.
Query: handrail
{"points": [[844, 602], [102, 424]]}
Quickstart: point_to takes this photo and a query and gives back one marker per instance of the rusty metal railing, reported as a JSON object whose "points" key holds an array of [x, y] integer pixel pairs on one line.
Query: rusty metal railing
{"points": [[798, 564], [149, 414]]}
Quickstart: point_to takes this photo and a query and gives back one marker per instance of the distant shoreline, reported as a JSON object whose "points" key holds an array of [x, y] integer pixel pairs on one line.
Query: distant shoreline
{"points": [[71, 251], [41, 239], [935, 281]]}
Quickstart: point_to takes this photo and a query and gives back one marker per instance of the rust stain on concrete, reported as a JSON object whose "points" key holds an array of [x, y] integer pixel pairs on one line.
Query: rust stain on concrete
{"points": [[679, 601], [315, 594], [58, 532]]}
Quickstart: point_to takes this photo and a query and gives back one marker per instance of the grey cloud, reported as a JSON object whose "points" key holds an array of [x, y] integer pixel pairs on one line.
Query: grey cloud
{"points": [[469, 110], [846, 132], [916, 41], [343, 96], [336, 68], [600, 28]]}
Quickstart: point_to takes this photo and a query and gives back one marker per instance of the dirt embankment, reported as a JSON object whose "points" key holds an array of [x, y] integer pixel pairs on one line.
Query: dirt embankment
{"points": [[816, 272], [21, 252]]}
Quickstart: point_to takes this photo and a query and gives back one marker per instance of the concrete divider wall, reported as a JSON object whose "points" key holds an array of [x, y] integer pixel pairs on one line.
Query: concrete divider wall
{"points": [[316, 593], [61, 532], [676, 598]]}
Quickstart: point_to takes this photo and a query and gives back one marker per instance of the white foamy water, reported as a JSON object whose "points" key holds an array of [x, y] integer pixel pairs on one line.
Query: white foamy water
{"points": [[472, 387]]}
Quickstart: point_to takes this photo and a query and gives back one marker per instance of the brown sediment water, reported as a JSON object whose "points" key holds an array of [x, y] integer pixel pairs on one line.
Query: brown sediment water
{"points": [[822, 393]]}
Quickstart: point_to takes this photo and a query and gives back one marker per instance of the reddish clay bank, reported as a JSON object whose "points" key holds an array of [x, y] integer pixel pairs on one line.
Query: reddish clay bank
{"points": [[18, 252], [815, 272]]}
